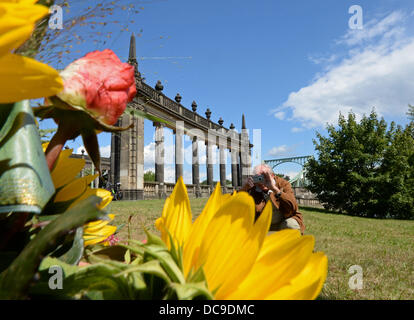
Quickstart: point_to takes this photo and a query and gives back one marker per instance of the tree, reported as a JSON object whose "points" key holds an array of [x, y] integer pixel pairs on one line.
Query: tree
{"points": [[149, 176], [398, 170], [410, 112], [364, 169]]}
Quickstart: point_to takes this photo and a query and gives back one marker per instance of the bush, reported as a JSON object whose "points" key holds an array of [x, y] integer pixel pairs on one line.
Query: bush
{"points": [[365, 169]]}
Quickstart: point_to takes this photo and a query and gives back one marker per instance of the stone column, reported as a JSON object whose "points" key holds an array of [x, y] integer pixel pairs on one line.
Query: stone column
{"points": [[223, 166], [210, 161], [159, 152], [195, 164], [82, 173], [124, 153], [245, 156], [234, 177], [179, 150], [139, 122]]}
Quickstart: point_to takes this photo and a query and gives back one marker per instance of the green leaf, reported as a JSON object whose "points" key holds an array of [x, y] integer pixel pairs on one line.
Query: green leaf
{"points": [[159, 252], [67, 268], [97, 277], [176, 253], [152, 238], [75, 253], [14, 281], [197, 276], [116, 253], [190, 291], [151, 267], [127, 257], [167, 262]]}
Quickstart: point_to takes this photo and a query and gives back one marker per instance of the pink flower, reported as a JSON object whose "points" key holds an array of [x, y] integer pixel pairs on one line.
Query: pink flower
{"points": [[111, 240], [100, 83]]}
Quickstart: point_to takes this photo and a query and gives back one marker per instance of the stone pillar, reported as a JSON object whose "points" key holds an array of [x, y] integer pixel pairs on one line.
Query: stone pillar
{"points": [[159, 152], [223, 166], [195, 164], [124, 153], [139, 123], [127, 158], [210, 161], [82, 173], [234, 177], [245, 157], [179, 150], [115, 153], [245, 153]]}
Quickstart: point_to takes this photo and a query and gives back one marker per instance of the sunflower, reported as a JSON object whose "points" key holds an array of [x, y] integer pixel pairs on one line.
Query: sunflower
{"points": [[21, 77], [70, 189], [239, 259]]}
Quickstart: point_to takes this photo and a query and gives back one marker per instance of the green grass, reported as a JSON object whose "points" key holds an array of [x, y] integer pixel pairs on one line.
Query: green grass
{"points": [[383, 248]]}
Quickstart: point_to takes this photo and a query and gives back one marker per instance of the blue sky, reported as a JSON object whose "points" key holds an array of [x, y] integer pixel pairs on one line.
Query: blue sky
{"points": [[289, 66]]}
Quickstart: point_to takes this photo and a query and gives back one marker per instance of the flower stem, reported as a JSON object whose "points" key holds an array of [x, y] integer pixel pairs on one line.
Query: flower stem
{"points": [[63, 133]]}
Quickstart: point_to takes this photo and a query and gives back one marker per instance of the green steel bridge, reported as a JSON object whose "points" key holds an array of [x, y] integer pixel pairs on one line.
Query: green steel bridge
{"points": [[300, 179]]}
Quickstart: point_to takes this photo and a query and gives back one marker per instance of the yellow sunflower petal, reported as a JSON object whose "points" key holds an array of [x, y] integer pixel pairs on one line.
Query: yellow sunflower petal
{"points": [[104, 231], [176, 216], [75, 188], [94, 226], [99, 236], [66, 169], [14, 38], [231, 243], [17, 21], [19, 1], [24, 78], [308, 284], [247, 255], [286, 255], [101, 193], [199, 227]]}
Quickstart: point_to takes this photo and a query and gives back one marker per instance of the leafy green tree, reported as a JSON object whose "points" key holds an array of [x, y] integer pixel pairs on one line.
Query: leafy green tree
{"points": [[364, 169], [398, 171], [149, 176], [410, 112]]}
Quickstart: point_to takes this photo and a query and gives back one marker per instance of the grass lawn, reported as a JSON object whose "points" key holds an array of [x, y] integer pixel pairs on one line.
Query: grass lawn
{"points": [[383, 248]]}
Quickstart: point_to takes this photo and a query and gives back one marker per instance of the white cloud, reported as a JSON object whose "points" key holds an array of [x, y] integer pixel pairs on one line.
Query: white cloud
{"points": [[319, 59], [297, 129], [105, 151], [279, 115], [378, 74], [278, 151], [385, 28]]}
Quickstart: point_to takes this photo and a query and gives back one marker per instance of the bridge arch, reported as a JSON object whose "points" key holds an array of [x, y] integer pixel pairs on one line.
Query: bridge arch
{"points": [[300, 179], [299, 160]]}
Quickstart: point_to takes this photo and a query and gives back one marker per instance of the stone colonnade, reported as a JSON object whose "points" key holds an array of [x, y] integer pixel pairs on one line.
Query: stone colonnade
{"points": [[127, 147]]}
